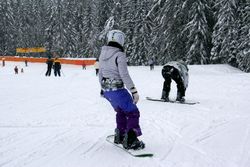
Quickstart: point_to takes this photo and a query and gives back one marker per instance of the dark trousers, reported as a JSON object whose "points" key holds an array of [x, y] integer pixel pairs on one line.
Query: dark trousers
{"points": [[151, 66], [57, 72], [177, 78], [48, 71], [96, 72]]}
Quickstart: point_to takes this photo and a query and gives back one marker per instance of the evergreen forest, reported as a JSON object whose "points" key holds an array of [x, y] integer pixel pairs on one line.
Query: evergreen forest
{"points": [[201, 31]]}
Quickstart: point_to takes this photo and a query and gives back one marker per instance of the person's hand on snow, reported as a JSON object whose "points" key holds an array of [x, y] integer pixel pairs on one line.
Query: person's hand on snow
{"points": [[135, 95]]}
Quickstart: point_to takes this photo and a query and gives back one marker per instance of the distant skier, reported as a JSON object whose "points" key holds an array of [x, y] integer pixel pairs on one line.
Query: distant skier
{"points": [[83, 66], [26, 63], [16, 70], [151, 63], [57, 67], [96, 67], [113, 75], [49, 63], [178, 71], [3, 61]]}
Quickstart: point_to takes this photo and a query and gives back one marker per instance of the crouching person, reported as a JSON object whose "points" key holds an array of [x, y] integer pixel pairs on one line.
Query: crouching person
{"points": [[177, 71]]}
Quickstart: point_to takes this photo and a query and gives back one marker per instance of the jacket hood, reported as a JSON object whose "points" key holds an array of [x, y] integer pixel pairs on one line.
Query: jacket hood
{"points": [[108, 52]]}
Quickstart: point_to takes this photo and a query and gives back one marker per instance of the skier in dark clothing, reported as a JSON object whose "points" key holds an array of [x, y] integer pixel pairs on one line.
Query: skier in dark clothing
{"points": [[49, 63], [16, 70], [96, 67], [178, 71], [3, 62], [151, 63], [57, 67], [26, 63], [113, 77]]}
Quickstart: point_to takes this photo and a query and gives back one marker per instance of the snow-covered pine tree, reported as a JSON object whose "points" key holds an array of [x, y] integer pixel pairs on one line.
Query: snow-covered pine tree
{"points": [[59, 31], [3, 26], [197, 30], [7, 29], [2, 40], [170, 41], [40, 21], [225, 32], [90, 30], [79, 27], [153, 23], [27, 24], [54, 27], [128, 22], [243, 50], [69, 28], [166, 29], [147, 36], [141, 39], [20, 23]]}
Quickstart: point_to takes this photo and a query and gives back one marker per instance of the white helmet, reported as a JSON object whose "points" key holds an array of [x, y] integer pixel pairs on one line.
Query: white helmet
{"points": [[116, 36]]}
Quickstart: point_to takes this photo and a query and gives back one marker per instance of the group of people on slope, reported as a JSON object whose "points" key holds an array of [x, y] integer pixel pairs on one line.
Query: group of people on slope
{"points": [[55, 64], [119, 89], [16, 70]]}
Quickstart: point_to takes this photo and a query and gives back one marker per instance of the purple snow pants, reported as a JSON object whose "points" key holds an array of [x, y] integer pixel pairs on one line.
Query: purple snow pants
{"points": [[127, 113]]}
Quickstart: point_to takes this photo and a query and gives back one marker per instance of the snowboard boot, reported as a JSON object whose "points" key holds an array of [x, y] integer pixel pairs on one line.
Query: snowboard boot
{"points": [[118, 139], [180, 98], [164, 96], [131, 141]]}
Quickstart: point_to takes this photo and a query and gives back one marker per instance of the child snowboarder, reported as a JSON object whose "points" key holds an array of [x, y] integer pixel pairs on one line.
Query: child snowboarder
{"points": [[16, 70], [113, 75], [178, 71]]}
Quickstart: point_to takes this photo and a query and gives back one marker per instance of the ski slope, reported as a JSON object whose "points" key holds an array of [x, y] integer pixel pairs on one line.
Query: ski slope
{"points": [[63, 122]]}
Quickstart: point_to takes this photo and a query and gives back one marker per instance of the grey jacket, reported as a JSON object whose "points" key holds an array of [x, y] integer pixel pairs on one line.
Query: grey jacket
{"points": [[113, 65], [183, 70]]}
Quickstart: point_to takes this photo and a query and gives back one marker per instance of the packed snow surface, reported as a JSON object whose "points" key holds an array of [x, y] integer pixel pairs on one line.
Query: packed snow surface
{"points": [[63, 121]]}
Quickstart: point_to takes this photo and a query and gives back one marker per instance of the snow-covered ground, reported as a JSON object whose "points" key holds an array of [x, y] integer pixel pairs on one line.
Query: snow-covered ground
{"points": [[63, 122]]}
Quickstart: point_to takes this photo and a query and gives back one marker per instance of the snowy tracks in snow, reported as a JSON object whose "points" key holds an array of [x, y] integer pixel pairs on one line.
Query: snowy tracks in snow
{"points": [[38, 146]]}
